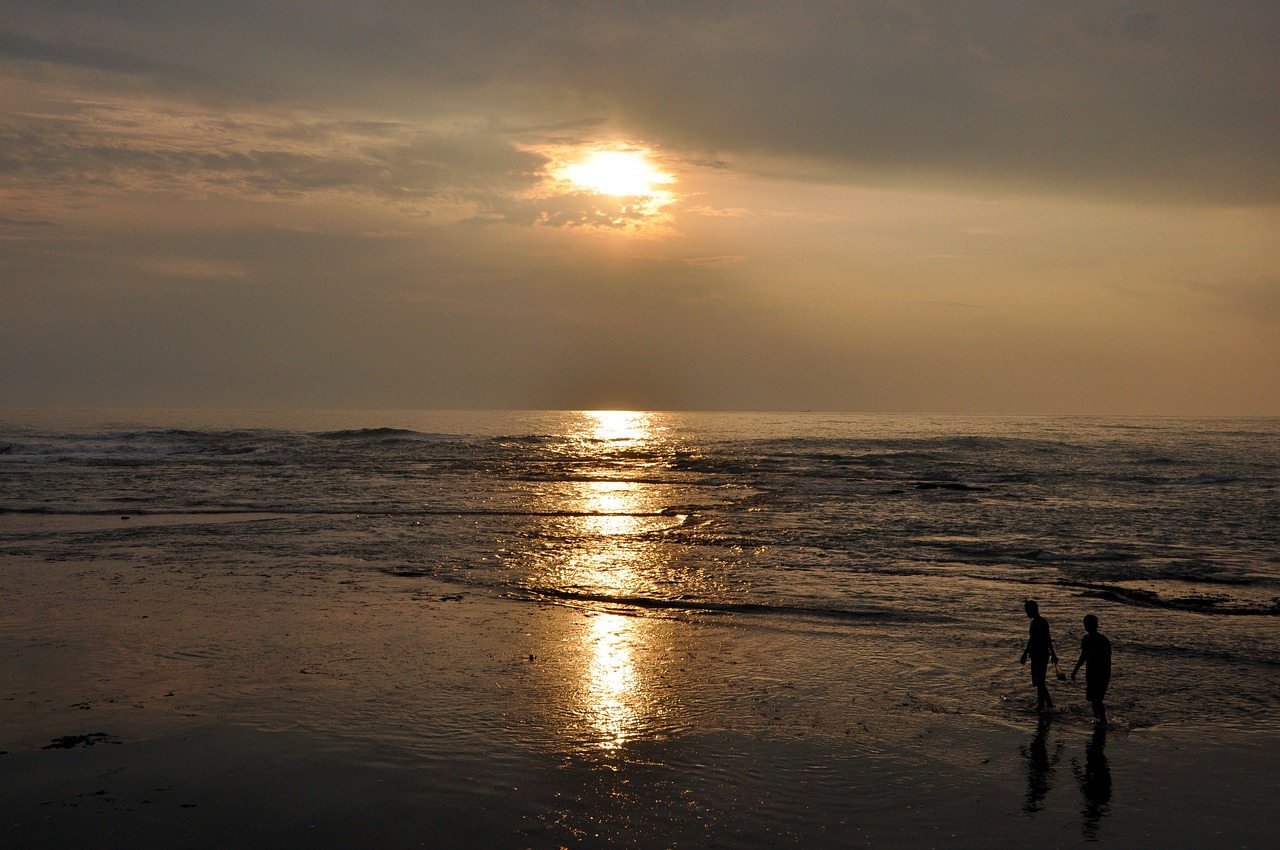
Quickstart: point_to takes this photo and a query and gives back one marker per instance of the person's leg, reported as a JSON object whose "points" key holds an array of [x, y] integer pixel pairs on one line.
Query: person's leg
{"points": [[1039, 669], [1095, 691]]}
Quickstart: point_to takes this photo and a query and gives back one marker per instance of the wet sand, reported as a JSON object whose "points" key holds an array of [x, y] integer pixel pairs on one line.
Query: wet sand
{"points": [[146, 704]]}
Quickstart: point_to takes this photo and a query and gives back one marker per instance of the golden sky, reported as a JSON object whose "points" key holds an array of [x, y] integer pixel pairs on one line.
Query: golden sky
{"points": [[1016, 206]]}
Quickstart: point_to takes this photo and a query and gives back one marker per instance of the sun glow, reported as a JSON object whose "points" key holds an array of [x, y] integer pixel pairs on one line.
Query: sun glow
{"points": [[622, 173], [622, 188], [607, 425]]}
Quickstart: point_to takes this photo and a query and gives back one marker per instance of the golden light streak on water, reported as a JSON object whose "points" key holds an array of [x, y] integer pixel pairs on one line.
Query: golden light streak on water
{"points": [[614, 689], [615, 701], [611, 504], [610, 425]]}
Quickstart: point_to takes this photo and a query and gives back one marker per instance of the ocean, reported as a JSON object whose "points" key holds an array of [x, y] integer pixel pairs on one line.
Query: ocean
{"points": [[919, 534], [632, 629]]}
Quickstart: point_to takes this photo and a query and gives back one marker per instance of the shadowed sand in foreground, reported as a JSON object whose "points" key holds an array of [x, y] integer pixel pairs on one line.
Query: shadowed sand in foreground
{"points": [[143, 707]]}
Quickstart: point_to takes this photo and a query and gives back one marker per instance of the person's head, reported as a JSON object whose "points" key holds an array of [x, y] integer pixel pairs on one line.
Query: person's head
{"points": [[1090, 623], [1032, 609]]}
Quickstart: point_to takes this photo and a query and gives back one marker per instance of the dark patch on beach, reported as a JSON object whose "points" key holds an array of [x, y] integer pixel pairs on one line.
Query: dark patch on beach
{"points": [[948, 485], [997, 554], [705, 606], [1198, 572], [1197, 604], [68, 742]]}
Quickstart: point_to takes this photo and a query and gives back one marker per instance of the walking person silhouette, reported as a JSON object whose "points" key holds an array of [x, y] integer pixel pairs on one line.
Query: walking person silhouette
{"points": [[1040, 651], [1095, 656]]}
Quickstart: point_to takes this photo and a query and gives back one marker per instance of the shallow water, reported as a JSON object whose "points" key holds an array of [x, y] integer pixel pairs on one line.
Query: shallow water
{"points": [[577, 629], [905, 544]]}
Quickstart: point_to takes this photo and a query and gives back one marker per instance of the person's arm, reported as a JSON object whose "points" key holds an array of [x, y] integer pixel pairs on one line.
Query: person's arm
{"points": [[1084, 653], [1084, 656]]}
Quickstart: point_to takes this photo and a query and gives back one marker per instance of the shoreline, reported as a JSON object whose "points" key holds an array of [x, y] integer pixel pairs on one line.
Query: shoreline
{"points": [[330, 708]]}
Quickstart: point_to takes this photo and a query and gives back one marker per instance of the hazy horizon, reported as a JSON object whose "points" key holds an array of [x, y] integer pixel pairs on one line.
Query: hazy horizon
{"points": [[884, 206]]}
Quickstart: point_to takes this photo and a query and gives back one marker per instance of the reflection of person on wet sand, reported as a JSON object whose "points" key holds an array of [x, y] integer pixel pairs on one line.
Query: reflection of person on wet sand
{"points": [[1095, 655], [1040, 767], [1095, 782], [1040, 651]]}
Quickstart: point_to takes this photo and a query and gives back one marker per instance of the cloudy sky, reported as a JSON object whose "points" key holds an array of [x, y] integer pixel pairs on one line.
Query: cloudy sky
{"points": [[1012, 206]]}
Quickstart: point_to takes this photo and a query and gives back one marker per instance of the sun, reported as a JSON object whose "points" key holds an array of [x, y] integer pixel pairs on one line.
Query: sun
{"points": [[622, 173], [618, 187]]}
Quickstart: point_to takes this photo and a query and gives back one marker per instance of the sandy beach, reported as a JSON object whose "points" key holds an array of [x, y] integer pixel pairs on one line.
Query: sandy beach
{"points": [[148, 705]]}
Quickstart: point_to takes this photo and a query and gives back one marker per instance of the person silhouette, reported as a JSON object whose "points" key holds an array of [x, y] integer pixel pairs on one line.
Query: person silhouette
{"points": [[1040, 651], [1095, 657]]}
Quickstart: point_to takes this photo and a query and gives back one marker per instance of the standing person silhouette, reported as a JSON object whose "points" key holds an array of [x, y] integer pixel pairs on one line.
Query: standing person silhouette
{"points": [[1095, 655], [1040, 651]]}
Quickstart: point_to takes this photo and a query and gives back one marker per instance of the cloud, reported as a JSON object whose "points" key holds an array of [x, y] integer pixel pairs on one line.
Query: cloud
{"points": [[323, 202], [1255, 298], [721, 262], [16, 46], [1174, 101], [578, 209], [1029, 96], [5, 221], [479, 172], [138, 145]]}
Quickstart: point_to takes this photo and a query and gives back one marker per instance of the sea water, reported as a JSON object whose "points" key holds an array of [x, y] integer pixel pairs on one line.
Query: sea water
{"points": [[920, 535]]}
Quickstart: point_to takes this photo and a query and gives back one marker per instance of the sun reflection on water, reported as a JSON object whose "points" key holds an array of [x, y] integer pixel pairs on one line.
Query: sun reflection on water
{"points": [[611, 507], [609, 425], [613, 687], [611, 551]]}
